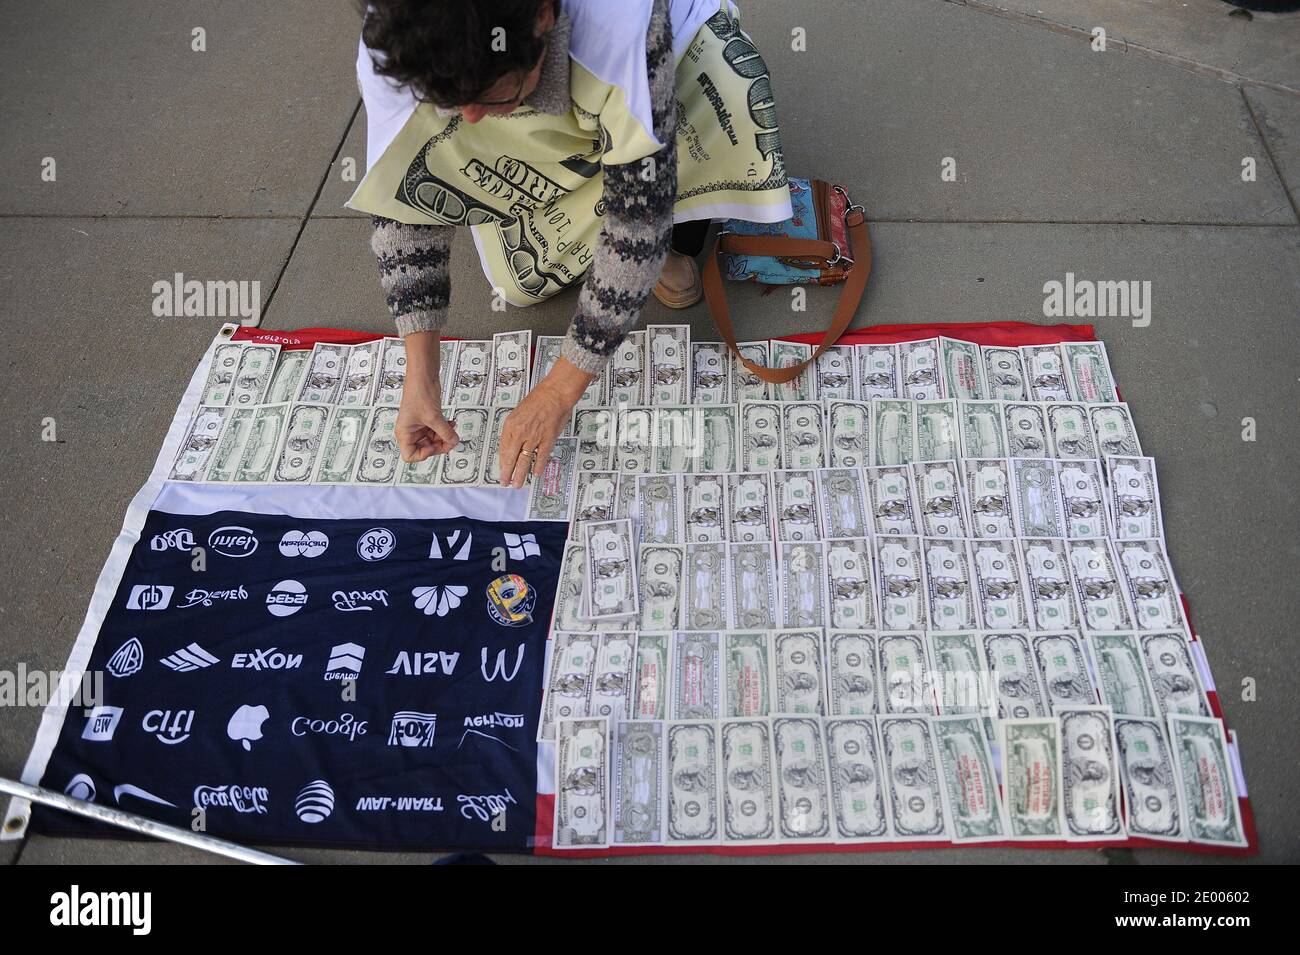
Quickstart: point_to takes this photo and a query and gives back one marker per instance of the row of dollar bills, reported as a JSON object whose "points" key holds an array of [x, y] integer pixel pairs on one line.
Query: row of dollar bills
{"points": [[1082, 774], [662, 366]]}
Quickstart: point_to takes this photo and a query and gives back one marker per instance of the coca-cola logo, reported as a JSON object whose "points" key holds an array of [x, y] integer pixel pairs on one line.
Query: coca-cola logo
{"points": [[246, 799], [232, 541]]}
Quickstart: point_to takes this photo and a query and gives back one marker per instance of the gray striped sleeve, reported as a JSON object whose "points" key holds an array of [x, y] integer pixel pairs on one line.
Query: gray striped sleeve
{"points": [[637, 228]]}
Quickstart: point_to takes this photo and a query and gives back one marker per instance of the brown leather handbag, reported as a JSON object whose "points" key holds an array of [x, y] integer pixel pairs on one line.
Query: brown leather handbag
{"points": [[825, 242]]}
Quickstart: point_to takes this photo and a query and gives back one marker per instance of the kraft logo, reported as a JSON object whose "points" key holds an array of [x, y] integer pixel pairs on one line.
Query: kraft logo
{"points": [[376, 544], [149, 597], [232, 541], [303, 544], [180, 539], [286, 598]]}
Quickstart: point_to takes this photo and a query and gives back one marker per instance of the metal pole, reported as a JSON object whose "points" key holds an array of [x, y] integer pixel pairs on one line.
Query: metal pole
{"points": [[148, 827]]}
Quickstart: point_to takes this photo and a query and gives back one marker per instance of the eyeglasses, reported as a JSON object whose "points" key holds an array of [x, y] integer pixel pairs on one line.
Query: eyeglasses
{"points": [[510, 100]]}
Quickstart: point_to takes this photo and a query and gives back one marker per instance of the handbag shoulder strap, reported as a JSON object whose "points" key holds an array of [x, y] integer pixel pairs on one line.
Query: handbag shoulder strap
{"points": [[855, 283]]}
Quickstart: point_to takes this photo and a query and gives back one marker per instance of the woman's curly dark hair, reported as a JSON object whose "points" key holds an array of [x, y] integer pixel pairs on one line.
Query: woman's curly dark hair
{"points": [[444, 50]]}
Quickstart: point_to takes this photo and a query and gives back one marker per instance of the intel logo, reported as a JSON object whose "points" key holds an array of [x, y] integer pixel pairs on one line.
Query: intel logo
{"points": [[233, 541]]}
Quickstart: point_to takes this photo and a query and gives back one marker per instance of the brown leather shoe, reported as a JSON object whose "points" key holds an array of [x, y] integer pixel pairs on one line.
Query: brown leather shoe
{"points": [[679, 284]]}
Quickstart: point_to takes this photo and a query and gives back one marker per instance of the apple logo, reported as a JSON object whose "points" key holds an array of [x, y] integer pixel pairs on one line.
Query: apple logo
{"points": [[246, 724]]}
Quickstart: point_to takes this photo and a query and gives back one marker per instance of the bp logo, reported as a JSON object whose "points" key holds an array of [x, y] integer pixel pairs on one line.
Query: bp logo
{"points": [[511, 601]]}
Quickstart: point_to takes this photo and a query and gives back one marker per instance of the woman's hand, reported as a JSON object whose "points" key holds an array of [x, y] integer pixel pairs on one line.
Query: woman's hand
{"points": [[531, 429], [422, 429]]}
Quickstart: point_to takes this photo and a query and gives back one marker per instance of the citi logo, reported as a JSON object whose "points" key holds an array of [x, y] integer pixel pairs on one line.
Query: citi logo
{"points": [[424, 664], [345, 662], [128, 909], [150, 597], [206, 598], [180, 539], [169, 726], [232, 541], [351, 600], [286, 598], [270, 659]]}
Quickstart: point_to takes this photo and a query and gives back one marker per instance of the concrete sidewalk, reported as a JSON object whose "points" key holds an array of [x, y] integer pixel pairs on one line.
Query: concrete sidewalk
{"points": [[1123, 164]]}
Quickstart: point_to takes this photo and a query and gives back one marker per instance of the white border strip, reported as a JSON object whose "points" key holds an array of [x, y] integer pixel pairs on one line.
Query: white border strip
{"points": [[19, 812]]}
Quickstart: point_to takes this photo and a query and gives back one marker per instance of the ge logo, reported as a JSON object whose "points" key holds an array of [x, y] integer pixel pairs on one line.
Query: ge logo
{"points": [[376, 544]]}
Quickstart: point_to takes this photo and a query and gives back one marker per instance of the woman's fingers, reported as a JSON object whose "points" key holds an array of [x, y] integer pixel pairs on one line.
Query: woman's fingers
{"points": [[542, 457], [446, 431], [523, 464]]}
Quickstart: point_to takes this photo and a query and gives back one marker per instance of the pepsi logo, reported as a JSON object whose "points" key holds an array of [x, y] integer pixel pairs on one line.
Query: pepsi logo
{"points": [[286, 598]]}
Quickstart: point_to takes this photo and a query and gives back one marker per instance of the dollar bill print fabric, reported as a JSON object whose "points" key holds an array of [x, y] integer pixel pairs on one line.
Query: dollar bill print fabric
{"points": [[930, 600]]}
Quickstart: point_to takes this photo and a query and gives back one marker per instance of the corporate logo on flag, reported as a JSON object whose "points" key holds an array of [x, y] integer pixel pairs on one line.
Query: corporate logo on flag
{"points": [[80, 786], [412, 729], [286, 598], [272, 658], [198, 597], [315, 802], [232, 541], [303, 544], [511, 601], [245, 799], [169, 726], [352, 600], [423, 664], [101, 724], [127, 659], [438, 600], [245, 726], [345, 662], [521, 546], [149, 597], [345, 725], [376, 544], [180, 539], [190, 658], [447, 549]]}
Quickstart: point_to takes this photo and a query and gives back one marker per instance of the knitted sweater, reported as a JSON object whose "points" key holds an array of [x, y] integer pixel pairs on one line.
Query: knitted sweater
{"points": [[634, 235]]}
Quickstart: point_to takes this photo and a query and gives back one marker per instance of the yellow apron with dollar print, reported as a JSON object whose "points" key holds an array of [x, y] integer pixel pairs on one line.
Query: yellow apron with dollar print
{"points": [[529, 186]]}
